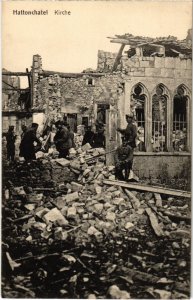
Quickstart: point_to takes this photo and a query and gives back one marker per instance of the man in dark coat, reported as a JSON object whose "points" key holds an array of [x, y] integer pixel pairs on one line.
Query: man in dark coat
{"points": [[62, 139], [27, 148], [130, 132], [123, 161], [10, 138]]}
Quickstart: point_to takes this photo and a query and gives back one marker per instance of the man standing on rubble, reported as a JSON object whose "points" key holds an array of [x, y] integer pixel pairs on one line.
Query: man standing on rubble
{"points": [[130, 132], [10, 138], [27, 147], [62, 139], [123, 161]]}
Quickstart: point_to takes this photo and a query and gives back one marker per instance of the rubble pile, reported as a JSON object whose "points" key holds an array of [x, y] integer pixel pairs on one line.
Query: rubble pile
{"points": [[81, 238]]}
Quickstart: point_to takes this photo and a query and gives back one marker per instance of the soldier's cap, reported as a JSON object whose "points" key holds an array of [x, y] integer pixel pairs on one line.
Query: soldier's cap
{"points": [[33, 125], [59, 122], [131, 116]]}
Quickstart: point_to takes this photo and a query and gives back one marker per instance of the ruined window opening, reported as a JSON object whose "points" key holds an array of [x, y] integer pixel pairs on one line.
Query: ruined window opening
{"points": [[90, 81], [85, 121], [71, 120], [101, 111], [138, 98], [159, 119], [179, 136]]}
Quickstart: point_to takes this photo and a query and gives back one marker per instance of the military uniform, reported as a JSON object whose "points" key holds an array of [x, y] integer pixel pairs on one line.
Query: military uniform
{"points": [[123, 161], [10, 138], [27, 148]]}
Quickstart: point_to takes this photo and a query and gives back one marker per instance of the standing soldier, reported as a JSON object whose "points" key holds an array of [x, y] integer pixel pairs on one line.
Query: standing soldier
{"points": [[129, 133], [62, 139], [24, 129], [10, 138], [123, 161], [27, 148]]}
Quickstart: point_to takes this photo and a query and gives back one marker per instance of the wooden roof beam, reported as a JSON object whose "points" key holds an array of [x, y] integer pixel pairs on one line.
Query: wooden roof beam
{"points": [[118, 57], [46, 73], [6, 73], [121, 41]]}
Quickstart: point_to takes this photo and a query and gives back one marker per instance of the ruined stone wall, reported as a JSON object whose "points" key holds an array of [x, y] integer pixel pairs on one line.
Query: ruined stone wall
{"points": [[74, 95], [106, 61], [10, 97], [40, 173], [150, 165], [164, 67]]}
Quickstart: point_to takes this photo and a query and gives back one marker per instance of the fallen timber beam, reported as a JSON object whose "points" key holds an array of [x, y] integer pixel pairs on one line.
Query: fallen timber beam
{"points": [[46, 73], [15, 89], [117, 60], [121, 41], [154, 189], [16, 73]]}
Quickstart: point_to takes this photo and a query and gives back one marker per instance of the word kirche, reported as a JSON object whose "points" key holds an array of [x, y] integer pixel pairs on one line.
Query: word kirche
{"points": [[41, 12]]}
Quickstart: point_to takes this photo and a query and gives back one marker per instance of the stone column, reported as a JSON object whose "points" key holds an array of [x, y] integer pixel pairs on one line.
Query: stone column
{"points": [[111, 134]]}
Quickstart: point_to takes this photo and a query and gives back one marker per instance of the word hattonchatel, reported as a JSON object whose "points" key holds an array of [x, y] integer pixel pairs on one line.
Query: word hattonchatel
{"points": [[41, 12]]}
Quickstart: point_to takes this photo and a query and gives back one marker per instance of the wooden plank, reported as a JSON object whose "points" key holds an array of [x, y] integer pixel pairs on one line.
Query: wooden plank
{"points": [[15, 89], [6, 73], [154, 222], [158, 199], [117, 60], [121, 41], [46, 73], [154, 189], [134, 200], [176, 218]]}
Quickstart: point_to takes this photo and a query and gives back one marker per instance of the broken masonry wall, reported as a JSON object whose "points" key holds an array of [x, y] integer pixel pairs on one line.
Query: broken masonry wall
{"points": [[152, 165], [174, 67], [106, 61], [40, 173], [169, 67], [10, 97], [59, 96]]}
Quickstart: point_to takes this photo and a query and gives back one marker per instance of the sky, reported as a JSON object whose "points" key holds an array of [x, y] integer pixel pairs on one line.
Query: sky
{"points": [[69, 43]]}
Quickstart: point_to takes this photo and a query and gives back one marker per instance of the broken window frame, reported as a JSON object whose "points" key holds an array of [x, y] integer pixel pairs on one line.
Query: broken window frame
{"points": [[142, 146], [160, 128], [181, 140]]}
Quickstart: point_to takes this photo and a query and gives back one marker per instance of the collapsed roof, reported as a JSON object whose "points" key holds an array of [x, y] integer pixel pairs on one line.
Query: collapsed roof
{"points": [[161, 46]]}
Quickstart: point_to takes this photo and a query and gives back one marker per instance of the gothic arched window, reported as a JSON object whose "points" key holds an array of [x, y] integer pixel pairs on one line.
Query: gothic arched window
{"points": [[138, 107], [159, 119], [180, 122]]}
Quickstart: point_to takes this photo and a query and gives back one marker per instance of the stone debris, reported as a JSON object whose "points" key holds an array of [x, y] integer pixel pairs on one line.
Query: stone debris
{"points": [[75, 236], [55, 215]]}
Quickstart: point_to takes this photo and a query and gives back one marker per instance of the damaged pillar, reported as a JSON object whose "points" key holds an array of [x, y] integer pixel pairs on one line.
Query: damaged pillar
{"points": [[111, 134]]}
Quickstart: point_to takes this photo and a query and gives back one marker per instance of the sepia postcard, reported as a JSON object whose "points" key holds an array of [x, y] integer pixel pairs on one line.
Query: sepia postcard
{"points": [[96, 149]]}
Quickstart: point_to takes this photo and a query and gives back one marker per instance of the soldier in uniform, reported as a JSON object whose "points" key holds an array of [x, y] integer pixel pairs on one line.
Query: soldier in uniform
{"points": [[27, 147], [130, 132], [123, 161], [62, 139], [10, 138]]}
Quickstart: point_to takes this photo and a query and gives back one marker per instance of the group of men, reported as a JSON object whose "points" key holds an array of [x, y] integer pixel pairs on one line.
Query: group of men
{"points": [[64, 141]]}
